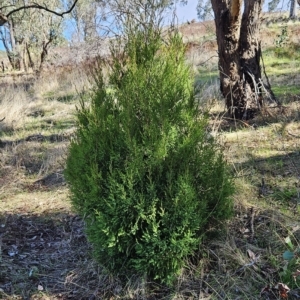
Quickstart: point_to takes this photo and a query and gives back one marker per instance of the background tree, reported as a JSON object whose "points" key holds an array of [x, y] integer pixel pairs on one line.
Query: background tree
{"points": [[86, 17], [272, 5], [204, 10], [239, 50], [293, 9], [7, 10], [27, 30], [27, 35]]}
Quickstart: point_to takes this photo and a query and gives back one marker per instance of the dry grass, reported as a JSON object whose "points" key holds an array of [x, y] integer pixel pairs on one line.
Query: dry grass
{"points": [[46, 102], [12, 107]]}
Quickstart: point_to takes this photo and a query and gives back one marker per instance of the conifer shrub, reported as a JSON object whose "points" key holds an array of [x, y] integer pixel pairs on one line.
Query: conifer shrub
{"points": [[142, 170]]}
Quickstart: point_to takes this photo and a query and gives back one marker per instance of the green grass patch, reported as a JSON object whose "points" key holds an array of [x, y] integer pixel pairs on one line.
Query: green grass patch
{"points": [[206, 77], [283, 54], [284, 90], [284, 195]]}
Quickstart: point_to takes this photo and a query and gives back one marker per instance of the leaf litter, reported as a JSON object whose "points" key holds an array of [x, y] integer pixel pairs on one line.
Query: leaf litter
{"points": [[37, 252]]}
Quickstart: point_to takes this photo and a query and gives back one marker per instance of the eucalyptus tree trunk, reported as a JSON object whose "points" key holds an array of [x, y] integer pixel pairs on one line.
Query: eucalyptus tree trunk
{"points": [[293, 9], [90, 23], [238, 39], [15, 55]]}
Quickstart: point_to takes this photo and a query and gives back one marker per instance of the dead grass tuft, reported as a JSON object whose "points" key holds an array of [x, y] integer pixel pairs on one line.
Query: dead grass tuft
{"points": [[13, 104]]}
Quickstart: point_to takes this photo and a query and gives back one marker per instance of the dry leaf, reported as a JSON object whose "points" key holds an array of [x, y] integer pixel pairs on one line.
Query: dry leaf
{"points": [[283, 290], [296, 274], [40, 287], [251, 254]]}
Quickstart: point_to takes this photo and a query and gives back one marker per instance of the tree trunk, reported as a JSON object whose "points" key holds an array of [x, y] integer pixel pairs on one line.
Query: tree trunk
{"points": [[12, 53], [293, 9], [239, 55], [90, 23], [15, 55], [30, 60], [25, 64]]}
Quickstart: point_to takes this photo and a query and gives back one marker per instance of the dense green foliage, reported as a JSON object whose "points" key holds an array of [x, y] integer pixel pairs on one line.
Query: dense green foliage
{"points": [[142, 169]]}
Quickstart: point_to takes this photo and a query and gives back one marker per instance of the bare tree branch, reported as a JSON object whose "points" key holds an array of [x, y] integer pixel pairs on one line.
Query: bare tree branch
{"points": [[4, 18]]}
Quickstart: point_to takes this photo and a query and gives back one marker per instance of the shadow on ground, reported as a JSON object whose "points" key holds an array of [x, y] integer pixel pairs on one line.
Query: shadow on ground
{"points": [[48, 257], [52, 138], [40, 255], [288, 112]]}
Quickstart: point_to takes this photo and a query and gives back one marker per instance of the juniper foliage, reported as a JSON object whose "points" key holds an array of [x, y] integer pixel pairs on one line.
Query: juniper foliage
{"points": [[143, 172]]}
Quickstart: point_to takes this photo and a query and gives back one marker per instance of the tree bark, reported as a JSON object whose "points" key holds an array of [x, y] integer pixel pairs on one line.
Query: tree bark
{"points": [[293, 9], [239, 55], [30, 60], [16, 49]]}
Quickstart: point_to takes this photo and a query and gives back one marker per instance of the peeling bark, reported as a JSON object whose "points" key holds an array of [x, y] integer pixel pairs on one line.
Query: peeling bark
{"points": [[239, 55]]}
